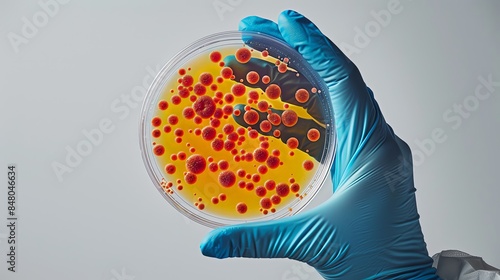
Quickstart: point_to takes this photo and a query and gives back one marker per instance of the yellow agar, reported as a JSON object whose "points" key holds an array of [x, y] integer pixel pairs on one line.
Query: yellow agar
{"points": [[207, 185]]}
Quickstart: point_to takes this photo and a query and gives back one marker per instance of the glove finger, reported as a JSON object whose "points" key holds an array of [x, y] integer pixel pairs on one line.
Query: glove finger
{"points": [[288, 82], [321, 53], [312, 144], [261, 25], [300, 237], [356, 113]]}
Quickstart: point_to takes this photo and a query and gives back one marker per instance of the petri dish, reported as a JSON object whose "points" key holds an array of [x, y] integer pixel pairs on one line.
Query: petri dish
{"points": [[237, 128]]}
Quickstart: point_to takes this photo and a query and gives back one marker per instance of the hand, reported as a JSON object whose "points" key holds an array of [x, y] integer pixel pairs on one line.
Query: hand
{"points": [[369, 228]]}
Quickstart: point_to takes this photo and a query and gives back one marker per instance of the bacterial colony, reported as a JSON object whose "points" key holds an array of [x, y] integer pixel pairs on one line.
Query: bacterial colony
{"points": [[219, 140]]}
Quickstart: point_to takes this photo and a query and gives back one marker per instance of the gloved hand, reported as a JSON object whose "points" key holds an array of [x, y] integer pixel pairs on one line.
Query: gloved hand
{"points": [[369, 228]]}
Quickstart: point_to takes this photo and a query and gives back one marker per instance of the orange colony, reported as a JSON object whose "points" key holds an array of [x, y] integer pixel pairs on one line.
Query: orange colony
{"points": [[243, 55], [273, 91], [227, 178], [196, 164], [302, 95], [289, 118], [313, 135]]}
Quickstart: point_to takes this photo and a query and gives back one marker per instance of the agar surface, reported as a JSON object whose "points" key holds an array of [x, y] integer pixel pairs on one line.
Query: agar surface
{"points": [[220, 140]]}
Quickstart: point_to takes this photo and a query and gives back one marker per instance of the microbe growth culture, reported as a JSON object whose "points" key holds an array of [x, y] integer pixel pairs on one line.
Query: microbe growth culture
{"points": [[237, 130]]}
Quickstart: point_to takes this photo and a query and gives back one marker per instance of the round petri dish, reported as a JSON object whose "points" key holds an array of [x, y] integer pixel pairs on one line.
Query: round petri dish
{"points": [[236, 128]]}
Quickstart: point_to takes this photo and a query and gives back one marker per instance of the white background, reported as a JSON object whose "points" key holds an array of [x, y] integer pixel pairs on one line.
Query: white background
{"points": [[105, 219]]}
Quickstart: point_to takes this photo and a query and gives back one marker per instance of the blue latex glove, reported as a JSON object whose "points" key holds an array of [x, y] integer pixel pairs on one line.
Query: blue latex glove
{"points": [[369, 228]]}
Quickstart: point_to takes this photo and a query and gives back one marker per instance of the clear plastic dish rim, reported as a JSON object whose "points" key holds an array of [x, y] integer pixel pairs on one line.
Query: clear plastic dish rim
{"points": [[223, 39]]}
